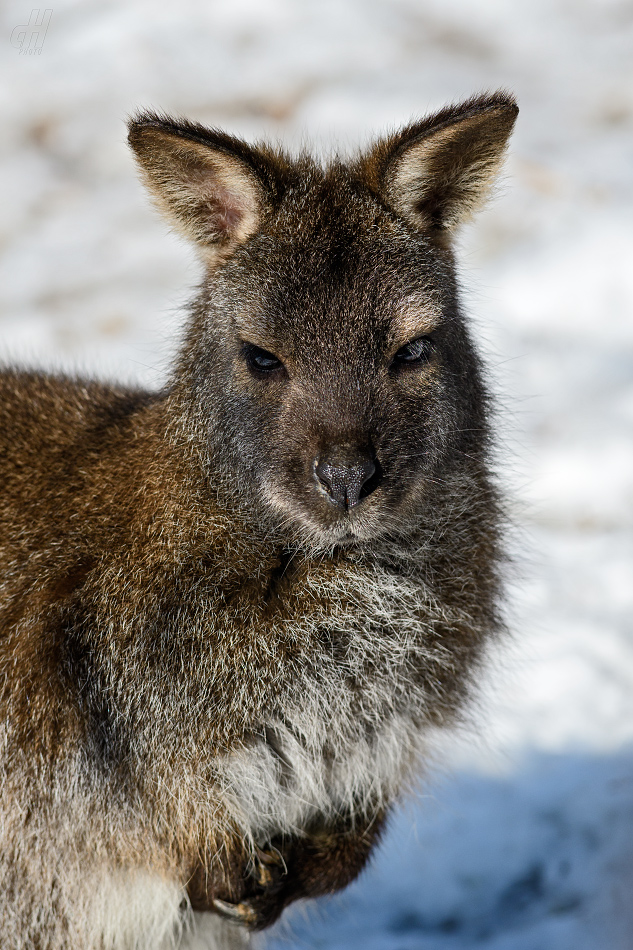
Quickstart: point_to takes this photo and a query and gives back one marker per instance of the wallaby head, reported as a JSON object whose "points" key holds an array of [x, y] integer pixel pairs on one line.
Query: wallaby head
{"points": [[327, 379]]}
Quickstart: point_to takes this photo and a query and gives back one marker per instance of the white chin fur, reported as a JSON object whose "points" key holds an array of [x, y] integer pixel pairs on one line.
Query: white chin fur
{"points": [[301, 525]]}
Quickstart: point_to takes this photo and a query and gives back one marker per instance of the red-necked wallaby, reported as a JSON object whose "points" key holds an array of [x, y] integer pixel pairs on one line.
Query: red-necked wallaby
{"points": [[230, 611]]}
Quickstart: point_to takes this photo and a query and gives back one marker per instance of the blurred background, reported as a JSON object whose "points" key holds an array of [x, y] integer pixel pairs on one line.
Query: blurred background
{"points": [[521, 836]]}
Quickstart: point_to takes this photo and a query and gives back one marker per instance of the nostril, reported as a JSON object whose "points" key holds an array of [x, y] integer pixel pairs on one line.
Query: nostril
{"points": [[347, 484], [364, 473], [327, 475], [372, 480]]}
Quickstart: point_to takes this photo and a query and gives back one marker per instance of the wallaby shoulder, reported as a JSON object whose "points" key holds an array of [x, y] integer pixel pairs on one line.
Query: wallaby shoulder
{"points": [[46, 419]]}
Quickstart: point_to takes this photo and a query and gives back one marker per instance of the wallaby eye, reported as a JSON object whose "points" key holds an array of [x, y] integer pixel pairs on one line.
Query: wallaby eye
{"points": [[417, 351], [260, 361]]}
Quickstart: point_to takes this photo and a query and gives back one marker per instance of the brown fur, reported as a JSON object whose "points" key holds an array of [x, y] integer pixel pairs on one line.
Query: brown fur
{"points": [[212, 675]]}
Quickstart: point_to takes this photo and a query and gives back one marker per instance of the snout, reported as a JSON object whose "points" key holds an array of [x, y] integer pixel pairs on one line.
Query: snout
{"points": [[347, 475]]}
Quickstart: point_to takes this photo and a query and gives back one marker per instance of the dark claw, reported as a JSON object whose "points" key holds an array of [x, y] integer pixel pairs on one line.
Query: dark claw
{"points": [[271, 857], [268, 866], [262, 875], [240, 913]]}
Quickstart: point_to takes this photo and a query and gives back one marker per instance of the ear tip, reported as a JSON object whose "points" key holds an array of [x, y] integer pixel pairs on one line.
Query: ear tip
{"points": [[504, 104], [148, 120], [500, 97], [144, 119], [500, 101]]}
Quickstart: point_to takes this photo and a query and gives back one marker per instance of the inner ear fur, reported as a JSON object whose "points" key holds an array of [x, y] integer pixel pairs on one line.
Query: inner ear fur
{"points": [[211, 186], [438, 172]]}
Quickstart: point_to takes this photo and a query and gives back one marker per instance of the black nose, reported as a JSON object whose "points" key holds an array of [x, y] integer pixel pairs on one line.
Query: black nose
{"points": [[346, 476]]}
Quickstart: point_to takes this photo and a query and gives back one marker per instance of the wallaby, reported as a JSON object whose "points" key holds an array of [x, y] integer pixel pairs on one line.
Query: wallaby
{"points": [[231, 611]]}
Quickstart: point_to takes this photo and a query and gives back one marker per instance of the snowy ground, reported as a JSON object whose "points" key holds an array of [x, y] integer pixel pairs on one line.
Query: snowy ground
{"points": [[524, 841]]}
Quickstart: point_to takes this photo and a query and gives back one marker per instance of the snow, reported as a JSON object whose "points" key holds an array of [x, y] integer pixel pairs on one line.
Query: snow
{"points": [[520, 838], [495, 861]]}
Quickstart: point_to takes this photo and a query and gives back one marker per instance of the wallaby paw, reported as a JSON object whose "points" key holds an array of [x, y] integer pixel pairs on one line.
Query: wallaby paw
{"points": [[261, 905]]}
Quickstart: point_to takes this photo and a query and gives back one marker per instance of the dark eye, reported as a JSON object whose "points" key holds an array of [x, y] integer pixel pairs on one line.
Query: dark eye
{"points": [[417, 351], [260, 361]]}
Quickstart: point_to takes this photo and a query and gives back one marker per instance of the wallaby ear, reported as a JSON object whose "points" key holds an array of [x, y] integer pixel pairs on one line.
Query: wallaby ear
{"points": [[211, 186], [436, 173]]}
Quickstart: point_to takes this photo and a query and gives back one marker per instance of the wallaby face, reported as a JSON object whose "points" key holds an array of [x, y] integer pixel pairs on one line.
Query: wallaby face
{"points": [[329, 378], [230, 611], [328, 352]]}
